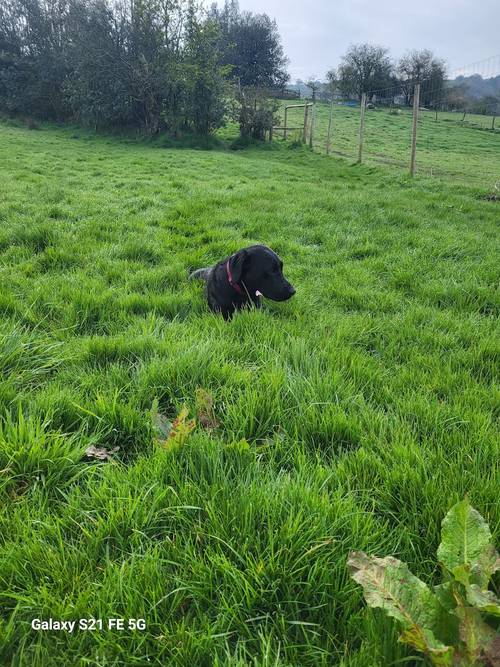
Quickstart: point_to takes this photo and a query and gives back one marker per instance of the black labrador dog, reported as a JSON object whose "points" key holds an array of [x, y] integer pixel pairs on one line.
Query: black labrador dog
{"points": [[240, 280]]}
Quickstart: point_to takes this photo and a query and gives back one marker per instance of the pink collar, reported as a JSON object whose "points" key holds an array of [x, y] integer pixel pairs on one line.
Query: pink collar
{"points": [[234, 285]]}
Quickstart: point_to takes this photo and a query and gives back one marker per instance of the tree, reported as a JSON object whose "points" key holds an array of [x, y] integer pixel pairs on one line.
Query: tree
{"points": [[251, 45], [159, 65], [315, 86], [332, 82], [457, 97], [364, 68], [204, 77], [154, 53], [97, 87], [152, 64], [486, 105], [255, 112], [424, 68], [33, 64]]}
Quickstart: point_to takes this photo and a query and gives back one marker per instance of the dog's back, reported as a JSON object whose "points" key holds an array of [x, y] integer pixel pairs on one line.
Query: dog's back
{"points": [[201, 274]]}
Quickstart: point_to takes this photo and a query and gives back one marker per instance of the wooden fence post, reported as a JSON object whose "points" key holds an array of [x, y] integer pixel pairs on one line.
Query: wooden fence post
{"points": [[286, 123], [493, 121], [306, 114], [311, 131], [416, 102], [361, 128], [328, 134]]}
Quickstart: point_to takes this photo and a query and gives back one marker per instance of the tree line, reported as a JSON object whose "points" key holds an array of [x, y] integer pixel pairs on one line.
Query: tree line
{"points": [[367, 68], [157, 65]]}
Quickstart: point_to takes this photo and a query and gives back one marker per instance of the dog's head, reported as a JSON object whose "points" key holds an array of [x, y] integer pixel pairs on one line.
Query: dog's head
{"points": [[259, 269]]}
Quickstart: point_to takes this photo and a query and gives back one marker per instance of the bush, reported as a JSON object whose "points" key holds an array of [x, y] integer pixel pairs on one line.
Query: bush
{"points": [[256, 112]]}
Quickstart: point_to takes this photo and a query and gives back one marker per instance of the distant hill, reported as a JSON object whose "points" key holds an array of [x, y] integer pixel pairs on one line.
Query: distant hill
{"points": [[478, 87]]}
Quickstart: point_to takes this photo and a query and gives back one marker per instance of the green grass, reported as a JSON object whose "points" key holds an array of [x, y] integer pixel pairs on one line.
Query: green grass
{"points": [[465, 152], [351, 417]]}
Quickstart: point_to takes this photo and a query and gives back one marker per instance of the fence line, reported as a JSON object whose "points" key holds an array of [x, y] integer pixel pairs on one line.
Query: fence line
{"points": [[423, 146], [416, 140]]}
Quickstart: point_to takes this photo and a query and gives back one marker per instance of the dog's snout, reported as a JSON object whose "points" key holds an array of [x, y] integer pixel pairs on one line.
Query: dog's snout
{"points": [[292, 290]]}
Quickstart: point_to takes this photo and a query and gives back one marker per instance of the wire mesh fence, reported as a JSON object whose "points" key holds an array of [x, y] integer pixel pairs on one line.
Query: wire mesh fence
{"points": [[451, 140], [448, 145]]}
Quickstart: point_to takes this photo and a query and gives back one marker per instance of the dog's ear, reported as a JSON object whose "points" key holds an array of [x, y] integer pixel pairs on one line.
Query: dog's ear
{"points": [[238, 262]]}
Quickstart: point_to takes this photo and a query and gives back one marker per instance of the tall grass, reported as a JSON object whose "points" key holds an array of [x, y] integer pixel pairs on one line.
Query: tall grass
{"points": [[351, 417]]}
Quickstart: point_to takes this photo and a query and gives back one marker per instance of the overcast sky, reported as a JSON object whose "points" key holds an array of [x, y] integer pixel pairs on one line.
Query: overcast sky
{"points": [[316, 33]]}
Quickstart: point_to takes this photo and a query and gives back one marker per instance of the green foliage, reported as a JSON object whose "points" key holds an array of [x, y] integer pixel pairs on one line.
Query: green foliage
{"points": [[364, 67], [255, 113], [457, 609], [466, 549], [156, 65], [424, 67], [203, 76], [250, 46]]}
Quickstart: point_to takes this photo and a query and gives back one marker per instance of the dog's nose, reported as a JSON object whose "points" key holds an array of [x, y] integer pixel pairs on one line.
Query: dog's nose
{"points": [[292, 290]]}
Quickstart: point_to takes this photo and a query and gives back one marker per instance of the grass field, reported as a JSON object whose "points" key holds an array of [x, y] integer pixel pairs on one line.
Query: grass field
{"points": [[466, 152], [351, 417]]}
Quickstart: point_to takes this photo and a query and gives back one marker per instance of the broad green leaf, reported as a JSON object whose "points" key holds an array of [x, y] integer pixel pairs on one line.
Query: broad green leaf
{"points": [[389, 584], [483, 600], [447, 626], [462, 574], [477, 636], [466, 549], [444, 593], [424, 640]]}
